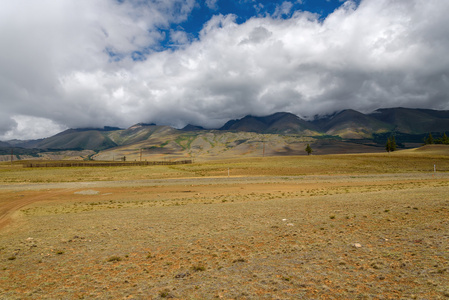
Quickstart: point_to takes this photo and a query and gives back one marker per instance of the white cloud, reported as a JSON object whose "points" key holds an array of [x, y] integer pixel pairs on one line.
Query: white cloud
{"points": [[29, 128], [283, 9], [212, 4], [55, 63]]}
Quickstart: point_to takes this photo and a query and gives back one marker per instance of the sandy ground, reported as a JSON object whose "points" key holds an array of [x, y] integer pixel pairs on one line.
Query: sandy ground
{"points": [[289, 237]]}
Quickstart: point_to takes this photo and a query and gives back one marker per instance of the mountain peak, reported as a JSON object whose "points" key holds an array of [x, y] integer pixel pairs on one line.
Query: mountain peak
{"points": [[281, 122], [190, 127]]}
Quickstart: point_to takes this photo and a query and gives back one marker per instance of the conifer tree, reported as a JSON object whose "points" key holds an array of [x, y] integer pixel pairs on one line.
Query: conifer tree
{"points": [[393, 143], [429, 140], [445, 139], [309, 149], [390, 146]]}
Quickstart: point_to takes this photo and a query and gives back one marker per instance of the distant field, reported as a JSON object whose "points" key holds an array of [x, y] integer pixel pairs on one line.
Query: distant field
{"points": [[365, 226], [406, 161]]}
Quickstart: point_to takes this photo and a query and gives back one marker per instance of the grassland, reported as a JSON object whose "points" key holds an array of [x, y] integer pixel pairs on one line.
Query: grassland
{"points": [[365, 226]]}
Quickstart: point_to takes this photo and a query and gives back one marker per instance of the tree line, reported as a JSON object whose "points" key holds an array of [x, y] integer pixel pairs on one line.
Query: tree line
{"points": [[431, 140], [391, 145]]}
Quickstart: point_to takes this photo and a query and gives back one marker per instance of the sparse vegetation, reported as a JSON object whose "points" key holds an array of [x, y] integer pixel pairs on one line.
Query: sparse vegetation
{"points": [[352, 228]]}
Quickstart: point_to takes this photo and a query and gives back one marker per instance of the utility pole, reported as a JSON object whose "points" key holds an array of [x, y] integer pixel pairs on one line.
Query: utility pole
{"points": [[12, 153]]}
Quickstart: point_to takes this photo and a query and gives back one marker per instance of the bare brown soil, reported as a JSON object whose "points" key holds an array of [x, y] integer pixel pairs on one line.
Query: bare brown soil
{"points": [[367, 236]]}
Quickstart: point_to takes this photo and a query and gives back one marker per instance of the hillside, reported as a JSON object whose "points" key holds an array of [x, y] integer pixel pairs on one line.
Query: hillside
{"points": [[413, 121], [351, 124], [78, 139], [280, 123], [435, 150], [4, 144], [283, 133]]}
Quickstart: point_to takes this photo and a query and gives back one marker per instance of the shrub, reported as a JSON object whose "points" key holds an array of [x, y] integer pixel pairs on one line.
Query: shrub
{"points": [[199, 268], [114, 259], [165, 294]]}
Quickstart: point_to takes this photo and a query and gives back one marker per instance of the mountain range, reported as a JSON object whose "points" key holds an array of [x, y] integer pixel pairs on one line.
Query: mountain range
{"points": [[281, 133]]}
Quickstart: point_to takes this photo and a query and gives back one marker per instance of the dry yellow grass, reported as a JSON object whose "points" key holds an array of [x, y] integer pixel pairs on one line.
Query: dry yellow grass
{"points": [[406, 161], [320, 227]]}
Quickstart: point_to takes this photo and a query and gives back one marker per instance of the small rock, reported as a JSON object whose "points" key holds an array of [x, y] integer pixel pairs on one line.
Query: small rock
{"points": [[182, 275], [357, 245]]}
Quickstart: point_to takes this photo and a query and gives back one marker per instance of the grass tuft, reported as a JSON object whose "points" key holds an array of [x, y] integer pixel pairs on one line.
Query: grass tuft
{"points": [[114, 259], [199, 268]]}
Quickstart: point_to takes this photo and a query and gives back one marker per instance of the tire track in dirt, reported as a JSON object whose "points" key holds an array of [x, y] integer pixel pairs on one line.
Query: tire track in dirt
{"points": [[7, 209]]}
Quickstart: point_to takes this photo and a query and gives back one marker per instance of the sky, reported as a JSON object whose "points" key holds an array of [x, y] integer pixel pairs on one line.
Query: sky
{"points": [[94, 63]]}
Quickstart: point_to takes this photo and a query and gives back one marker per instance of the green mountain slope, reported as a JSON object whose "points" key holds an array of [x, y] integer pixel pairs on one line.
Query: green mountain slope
{"points": [[78, 139], [414, 121], [280, 123], [351, 124]]}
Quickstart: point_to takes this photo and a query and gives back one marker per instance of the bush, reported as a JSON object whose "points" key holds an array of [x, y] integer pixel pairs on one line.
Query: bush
{"points": [[114, 259], [199, 268]]}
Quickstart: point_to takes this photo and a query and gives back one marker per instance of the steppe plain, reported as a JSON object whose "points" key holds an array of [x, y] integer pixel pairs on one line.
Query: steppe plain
{"points": [[356, 226]]}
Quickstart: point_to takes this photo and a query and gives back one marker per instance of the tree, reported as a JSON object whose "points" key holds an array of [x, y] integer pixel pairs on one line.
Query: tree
{"points": [[391, 144], [388, 145], [443, 140], [429, 140], [309, 149]]}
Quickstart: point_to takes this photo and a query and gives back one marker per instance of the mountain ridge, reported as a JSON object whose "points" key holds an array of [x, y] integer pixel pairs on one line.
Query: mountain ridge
{"points": [[285, 131]]}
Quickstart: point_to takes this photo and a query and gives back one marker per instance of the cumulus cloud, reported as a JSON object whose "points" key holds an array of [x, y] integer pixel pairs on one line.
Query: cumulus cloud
{"points": [[73, 63]]}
